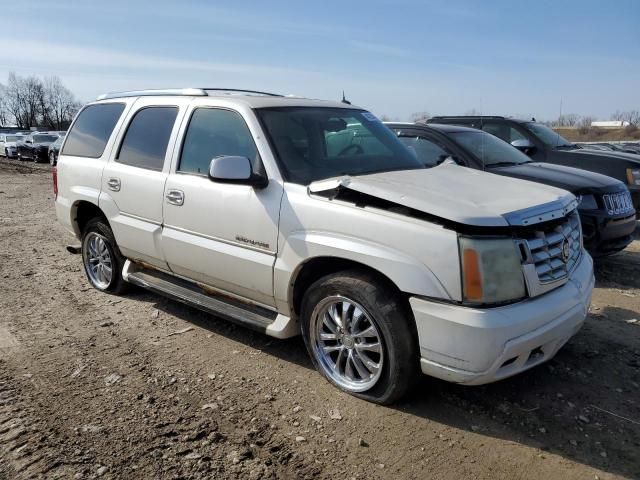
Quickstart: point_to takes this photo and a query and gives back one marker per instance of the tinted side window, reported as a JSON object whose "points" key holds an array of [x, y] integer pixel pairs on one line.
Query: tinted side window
{"points": [[500, 130], [91, 131], [145, 143], [429, 153], [213, 133]]}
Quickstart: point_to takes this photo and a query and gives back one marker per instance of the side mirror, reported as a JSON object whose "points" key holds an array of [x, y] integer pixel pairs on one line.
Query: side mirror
{"points": [[524, 145], [235, 169], [28, 141]]}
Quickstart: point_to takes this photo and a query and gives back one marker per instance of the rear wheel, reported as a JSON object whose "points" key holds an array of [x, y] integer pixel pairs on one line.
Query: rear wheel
{"points": [[101, 257], [361, 335]]}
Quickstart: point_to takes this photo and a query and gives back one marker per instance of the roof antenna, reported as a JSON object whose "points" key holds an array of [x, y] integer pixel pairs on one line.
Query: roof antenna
{"points": [[344, 100]]}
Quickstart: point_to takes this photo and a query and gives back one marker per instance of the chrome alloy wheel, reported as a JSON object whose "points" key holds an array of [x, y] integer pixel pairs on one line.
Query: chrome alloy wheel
{"points": [[97, 260], [347, 343]]}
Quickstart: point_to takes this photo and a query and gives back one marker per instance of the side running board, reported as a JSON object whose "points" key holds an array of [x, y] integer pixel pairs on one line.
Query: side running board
{"points": [[252, 316]]}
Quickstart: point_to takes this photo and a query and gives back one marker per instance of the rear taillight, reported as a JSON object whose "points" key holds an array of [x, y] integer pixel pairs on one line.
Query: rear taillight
{"points": [[54, 171]]}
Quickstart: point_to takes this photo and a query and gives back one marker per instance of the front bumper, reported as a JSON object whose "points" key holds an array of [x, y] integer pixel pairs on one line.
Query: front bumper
{"points": [[477, 346], [41, 155], [635, 198], [604, 234]]}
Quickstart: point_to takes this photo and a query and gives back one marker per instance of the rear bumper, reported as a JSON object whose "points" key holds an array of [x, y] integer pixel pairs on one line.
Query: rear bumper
{"points": [[478, 346]]}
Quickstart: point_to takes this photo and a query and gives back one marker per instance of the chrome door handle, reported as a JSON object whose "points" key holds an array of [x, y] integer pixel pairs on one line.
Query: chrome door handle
{"points": [[114, 184], [175, 197]]}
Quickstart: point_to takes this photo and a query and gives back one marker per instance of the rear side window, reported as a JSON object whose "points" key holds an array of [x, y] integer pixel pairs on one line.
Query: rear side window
{"points": [[213, 133], [92, 129], [145, 143]]}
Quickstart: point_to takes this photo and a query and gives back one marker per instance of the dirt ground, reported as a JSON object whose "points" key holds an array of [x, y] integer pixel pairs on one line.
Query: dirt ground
{"points": [[93, 385]]}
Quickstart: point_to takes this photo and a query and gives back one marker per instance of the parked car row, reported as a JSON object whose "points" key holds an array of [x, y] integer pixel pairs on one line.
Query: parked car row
{"points": [[542, 144], [606, 211], [392, 249], [33, 146]]}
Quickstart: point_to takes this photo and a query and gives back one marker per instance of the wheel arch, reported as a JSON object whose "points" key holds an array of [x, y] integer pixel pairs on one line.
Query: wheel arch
{"points": [[81, 212], [313, 269]]}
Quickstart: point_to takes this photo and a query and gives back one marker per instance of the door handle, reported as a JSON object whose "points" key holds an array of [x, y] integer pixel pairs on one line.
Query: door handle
{"points": [[114, 184], [175, 197]]}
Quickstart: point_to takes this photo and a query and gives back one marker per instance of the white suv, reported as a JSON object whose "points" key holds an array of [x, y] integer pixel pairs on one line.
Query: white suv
{"points": [[295, 216]]}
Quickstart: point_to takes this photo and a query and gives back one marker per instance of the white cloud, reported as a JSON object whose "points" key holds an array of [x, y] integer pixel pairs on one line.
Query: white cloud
{"points": [[21, 53]]}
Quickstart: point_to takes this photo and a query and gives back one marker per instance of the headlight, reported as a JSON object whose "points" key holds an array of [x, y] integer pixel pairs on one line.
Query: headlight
{"points": [[587, 202], [491, 270], [633, 176]]}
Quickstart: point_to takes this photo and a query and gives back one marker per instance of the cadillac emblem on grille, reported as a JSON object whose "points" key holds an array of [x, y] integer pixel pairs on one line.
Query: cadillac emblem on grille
{"points": [[566, 250]]}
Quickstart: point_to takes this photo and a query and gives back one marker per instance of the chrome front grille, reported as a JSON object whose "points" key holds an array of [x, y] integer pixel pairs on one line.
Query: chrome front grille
{"points": [[618, 203], [554, 251]]}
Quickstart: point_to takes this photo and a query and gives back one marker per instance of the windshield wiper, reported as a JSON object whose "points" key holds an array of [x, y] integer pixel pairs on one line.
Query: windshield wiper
{"points": [[568, 145]]}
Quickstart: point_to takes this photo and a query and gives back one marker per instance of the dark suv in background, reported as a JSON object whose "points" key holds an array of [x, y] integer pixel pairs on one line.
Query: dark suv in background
{"points": [[36, 146], [543, 144], [607, 215]]}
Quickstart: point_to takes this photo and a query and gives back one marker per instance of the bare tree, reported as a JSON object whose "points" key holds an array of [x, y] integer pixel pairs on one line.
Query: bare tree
{"points": [[584, 124], [567, 120], [23, 96], [58, 104], [420, 117], [4, 112], [31, 102], [631, 116]]}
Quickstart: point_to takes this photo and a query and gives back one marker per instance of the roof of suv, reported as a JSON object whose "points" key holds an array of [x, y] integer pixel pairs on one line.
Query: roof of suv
{"points": [[442, 127], [251, 98], [473, 117]]}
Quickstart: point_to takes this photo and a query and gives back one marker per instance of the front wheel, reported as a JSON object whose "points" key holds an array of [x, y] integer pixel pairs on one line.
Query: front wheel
{"points": [[361, 336], [101, 257]]}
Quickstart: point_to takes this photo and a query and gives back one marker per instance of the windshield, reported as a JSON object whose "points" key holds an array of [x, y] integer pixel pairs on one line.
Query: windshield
{"points": [[317, 143], [547, 135], [44, 138], [490, 150], [11, 138]]}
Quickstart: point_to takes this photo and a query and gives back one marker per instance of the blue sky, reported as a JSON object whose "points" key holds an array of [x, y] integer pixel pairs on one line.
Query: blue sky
{"points": [[392, 57]]}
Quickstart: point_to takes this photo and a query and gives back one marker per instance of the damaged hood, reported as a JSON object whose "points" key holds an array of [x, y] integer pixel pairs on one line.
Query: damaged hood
{"points": [[460, 194]]}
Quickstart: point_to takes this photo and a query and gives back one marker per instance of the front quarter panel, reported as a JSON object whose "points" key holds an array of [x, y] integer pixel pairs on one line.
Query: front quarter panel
{"points": [[420, 258]]}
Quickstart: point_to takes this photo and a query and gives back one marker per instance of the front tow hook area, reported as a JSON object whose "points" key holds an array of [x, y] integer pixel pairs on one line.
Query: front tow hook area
{"points": [[74, 249]]}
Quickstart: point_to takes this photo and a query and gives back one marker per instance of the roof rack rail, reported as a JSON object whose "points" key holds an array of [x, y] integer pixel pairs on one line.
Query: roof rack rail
{"points": [[241, 90], [197, 92], [468, 116]]}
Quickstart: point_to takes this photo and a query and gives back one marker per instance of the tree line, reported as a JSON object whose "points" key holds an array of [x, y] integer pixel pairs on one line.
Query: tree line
{"points": [[37, 102]]}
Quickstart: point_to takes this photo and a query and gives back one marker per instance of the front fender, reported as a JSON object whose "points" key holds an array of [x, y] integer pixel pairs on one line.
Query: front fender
{"points": [[409, 274]]}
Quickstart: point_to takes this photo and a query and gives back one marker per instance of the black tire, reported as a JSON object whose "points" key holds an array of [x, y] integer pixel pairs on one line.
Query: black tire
{"points": [[391, 315], [99, 227]]}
